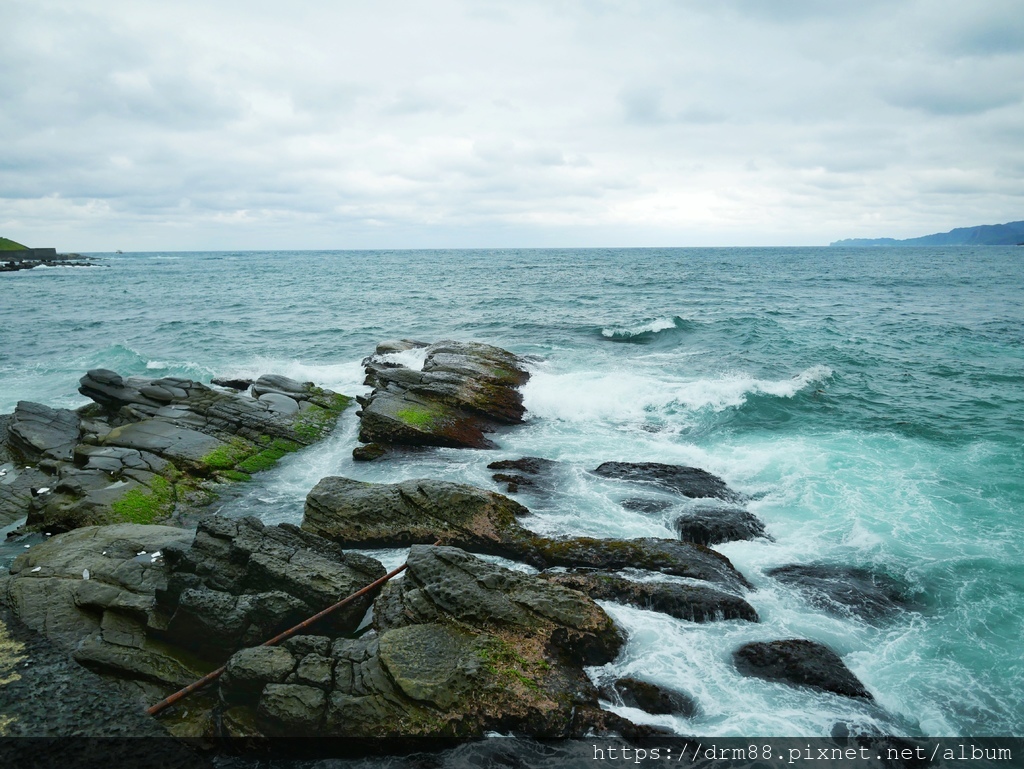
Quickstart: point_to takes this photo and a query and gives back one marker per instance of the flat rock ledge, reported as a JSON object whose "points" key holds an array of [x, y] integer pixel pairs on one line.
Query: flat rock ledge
{"points": [[368, 515], [690, 602], [799, 662], [692, 482], [463, 391], [146, 446]]}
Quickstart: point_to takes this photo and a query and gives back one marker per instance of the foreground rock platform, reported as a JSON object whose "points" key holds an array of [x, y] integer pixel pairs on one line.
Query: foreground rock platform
{"points": [[463, 391], [146, 446], [460, 647]]}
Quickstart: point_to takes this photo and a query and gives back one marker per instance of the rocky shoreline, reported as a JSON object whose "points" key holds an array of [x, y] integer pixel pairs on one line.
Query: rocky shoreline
{"points": [[13, 261], [126, 576]]}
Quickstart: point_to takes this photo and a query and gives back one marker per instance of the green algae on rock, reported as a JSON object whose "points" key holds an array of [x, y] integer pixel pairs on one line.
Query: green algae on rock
{"points": [[463, 391], [146, 448]]}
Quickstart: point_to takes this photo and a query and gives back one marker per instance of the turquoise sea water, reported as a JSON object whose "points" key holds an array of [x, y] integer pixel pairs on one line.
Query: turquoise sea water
{"points": [[871, 402]]}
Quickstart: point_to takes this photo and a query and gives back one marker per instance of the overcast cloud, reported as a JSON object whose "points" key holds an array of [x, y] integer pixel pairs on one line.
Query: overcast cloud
{"points": [[248, 125]]}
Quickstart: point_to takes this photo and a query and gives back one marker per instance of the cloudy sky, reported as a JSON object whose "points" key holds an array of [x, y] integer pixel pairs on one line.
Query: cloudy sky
{"points": [[336, 124]]}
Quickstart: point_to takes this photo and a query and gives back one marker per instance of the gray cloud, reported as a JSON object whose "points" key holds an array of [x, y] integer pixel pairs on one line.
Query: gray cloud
{"points": [[247, 124]]}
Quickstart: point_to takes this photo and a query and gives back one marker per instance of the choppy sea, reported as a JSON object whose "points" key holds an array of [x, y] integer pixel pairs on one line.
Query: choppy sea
{"points": [[870, 402]]}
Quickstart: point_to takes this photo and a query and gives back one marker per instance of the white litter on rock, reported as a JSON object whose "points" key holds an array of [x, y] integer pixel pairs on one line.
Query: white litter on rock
{"points": [[156, 554], [28, 545], [85, 574], [141, 552], [44, 490], [37, 568]]}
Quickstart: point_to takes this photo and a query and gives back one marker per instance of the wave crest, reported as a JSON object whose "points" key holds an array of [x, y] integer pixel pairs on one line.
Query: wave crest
{"points": [[645, 332]]}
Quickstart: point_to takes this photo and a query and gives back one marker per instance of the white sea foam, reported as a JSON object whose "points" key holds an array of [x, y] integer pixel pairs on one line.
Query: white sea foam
{"points": [[621, 395], [412, 358], [346, 377]]}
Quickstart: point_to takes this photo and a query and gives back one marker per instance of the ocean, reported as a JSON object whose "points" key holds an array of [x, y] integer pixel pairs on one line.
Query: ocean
{"points": [[869, 402]]}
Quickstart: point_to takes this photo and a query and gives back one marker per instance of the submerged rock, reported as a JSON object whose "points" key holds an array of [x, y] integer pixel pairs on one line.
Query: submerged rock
{"points": [[711, 526], [460, 647], [694, 603], [358, 514], [689, 481], [845, 589], [649, 697], [645, 505], [148, 445], [800, 663], [527, 472], [463, 391]]}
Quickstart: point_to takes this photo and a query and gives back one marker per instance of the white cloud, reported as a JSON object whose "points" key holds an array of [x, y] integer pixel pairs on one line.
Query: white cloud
{"points": [[397, 124]]}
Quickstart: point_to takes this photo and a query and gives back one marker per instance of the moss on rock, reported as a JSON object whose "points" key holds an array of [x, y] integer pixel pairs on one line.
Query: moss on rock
{"points": [[141, 506]]}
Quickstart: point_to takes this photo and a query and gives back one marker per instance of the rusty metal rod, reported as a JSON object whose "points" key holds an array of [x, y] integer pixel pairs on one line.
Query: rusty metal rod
{"points": [[213, 676]]}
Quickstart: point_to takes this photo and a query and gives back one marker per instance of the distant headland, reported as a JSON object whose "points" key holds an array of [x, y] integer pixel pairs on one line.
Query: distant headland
{"points": [[1009, 234], [14, 256]]}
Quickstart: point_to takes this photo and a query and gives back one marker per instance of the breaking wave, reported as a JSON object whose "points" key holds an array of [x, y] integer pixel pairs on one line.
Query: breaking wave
{"points": [[645, 333]]}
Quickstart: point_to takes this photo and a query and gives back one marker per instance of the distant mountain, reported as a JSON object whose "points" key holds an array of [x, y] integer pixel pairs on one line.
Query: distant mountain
{"points": [[1009, 234]]}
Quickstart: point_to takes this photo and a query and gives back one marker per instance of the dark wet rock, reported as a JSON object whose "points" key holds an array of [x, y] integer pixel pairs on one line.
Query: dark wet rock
{"points": [[651, 698], [711, 526], [681, 559], [800, 663], [460, 647], [48, 590], [694, 603], [241, 582], [149, 446], [846, 590], [689, 481], [249, 670], [464, 391], [528, 472], [44, 693], [162, 605], [358, 514], [644, 505], [16, 485], [39, 432], [232, 384], [369, 452]]}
